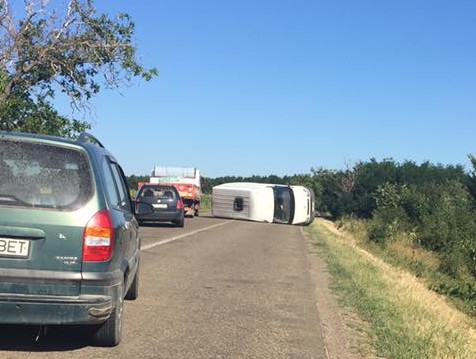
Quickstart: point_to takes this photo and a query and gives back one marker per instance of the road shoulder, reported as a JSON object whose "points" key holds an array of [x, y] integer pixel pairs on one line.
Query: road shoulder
{"points": [[343, 332]]}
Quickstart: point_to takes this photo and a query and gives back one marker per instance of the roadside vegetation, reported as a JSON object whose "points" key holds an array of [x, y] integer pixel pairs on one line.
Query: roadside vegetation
{"points": [[206, 203], [419, 218], [403, 318]]}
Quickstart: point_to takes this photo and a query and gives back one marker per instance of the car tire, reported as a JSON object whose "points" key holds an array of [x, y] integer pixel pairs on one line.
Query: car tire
{"points": [[133, 291], [109, 333], [180, 223]]}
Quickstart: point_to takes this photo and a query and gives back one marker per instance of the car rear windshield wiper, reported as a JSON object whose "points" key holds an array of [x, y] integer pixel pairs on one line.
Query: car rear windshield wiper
{"points": [[11, 199]]}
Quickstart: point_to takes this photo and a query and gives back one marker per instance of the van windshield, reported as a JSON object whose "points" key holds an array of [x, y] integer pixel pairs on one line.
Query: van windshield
{"points": [[283, 205], [40, 175]]}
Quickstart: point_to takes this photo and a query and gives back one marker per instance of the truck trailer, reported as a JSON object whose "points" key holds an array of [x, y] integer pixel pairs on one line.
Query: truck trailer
{"points": [[272, 203]]}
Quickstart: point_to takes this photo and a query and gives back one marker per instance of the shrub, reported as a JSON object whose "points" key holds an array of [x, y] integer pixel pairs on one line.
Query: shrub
{"points": [[440, 217], [390, 218]]}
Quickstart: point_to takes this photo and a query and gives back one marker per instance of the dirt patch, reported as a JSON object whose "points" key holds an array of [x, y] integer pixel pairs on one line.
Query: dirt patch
{"points": [[344, 333]]}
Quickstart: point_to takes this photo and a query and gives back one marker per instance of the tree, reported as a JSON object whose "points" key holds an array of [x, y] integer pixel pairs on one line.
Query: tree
{"points": [[471, 182], [75, 51], [328, 191]]}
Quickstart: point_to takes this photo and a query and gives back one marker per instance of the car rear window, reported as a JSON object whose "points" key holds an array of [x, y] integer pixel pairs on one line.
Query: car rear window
{"points": [[157, 193], [43, 175]]}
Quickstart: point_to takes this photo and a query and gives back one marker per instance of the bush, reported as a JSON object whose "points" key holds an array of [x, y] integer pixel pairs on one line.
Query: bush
{"points": [[390, 218], [441, 218]]}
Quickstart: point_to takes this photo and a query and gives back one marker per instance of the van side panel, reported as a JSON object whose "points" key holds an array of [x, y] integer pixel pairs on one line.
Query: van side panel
{"points": [[231, 203], [243, 202], [262, 208]]}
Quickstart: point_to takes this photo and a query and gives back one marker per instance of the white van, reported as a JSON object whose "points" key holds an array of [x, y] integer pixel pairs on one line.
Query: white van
{"points": [[262, 202]]}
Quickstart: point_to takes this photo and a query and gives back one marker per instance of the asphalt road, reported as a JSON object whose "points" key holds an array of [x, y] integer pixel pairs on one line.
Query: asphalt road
{"points": [[213, 289]]}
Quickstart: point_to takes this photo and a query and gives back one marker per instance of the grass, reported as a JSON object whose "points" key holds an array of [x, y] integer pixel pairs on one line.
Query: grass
{"points": [[401, 251], [406, 320], [206, 203]]}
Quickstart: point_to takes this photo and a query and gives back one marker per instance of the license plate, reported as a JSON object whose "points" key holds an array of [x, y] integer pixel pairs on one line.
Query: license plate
{"points": [[160, 205], [18, 248]]}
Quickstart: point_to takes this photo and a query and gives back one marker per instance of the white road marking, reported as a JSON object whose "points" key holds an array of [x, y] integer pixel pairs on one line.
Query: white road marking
{"points": [[171, 239]]}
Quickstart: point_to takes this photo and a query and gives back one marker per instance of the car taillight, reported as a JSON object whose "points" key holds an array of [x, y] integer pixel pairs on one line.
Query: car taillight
{"points": [[98, 238], [179, 204]]}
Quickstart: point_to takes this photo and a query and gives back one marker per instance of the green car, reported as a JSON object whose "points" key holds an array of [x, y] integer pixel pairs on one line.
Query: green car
{"points": [[69, 239]]}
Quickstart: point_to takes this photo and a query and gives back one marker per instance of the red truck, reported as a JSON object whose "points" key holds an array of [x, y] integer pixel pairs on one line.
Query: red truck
{"points": [[187, 182]]}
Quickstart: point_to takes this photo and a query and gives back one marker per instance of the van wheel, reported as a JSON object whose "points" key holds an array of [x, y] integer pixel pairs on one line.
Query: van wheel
{"points": [[108, 334], [133, 291]]}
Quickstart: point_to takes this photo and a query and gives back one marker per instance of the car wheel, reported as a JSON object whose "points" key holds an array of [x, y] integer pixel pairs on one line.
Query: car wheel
{"points": [[179, 223], [133, 291], [109, 333]]}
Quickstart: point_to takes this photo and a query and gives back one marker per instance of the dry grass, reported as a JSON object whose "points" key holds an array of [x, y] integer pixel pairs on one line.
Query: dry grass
{"points": [[410, 253], [403, 312]]}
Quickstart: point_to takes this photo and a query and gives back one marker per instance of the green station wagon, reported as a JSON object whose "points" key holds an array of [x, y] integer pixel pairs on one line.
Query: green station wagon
{"points": [[69, 240]]}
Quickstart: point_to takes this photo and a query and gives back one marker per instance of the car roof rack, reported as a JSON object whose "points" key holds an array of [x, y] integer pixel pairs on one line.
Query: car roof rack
{"points": [[87, 137]]}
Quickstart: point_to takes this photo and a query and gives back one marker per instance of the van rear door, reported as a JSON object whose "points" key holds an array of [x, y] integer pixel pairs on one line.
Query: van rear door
{"points": [[44, 189]]}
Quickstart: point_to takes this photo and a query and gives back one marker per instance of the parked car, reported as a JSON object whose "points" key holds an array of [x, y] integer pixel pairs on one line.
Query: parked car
{"points": [[165, 201], [69, 241]]}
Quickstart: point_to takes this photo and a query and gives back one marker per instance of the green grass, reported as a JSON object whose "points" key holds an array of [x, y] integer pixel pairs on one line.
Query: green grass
{"points": [[405, 319], [206, 203]]}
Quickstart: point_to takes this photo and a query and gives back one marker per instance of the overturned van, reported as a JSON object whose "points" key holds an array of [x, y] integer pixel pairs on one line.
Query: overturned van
{"points": [[263, 202]]}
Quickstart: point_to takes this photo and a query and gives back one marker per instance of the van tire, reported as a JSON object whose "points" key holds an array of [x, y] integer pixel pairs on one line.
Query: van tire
{"points": [[133, 291], [108, 334]]}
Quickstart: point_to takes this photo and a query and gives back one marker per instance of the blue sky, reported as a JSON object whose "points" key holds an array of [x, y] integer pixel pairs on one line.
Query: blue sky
{"points": [[279, 87]]}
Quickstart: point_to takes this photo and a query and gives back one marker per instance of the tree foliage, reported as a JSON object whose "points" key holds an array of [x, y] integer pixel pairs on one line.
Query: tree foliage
{"points": [[359, 200], [65, 46], [134, 181]]}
